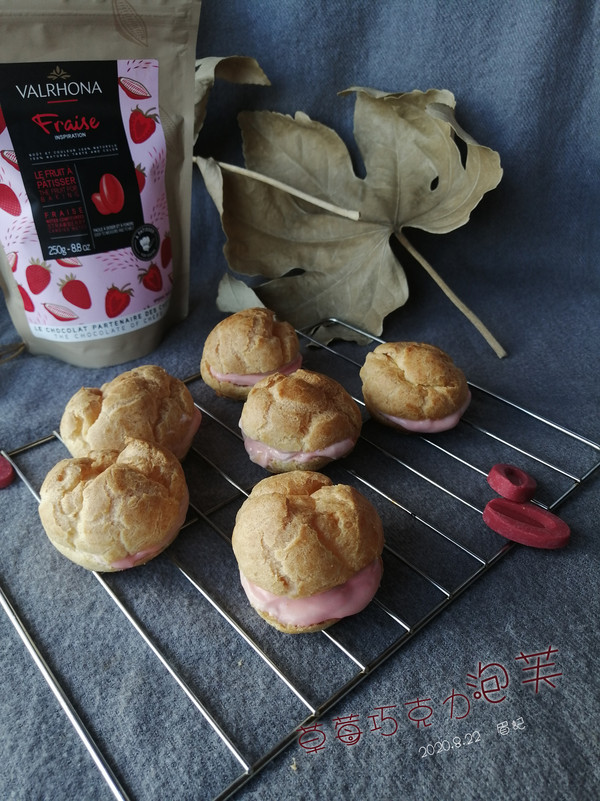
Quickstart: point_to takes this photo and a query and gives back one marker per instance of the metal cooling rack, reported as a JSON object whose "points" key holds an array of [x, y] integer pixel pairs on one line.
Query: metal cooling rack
{"points": [[430, 493]]}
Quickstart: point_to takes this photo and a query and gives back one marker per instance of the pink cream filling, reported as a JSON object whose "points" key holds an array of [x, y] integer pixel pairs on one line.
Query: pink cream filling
{"points": [[430, 426], [249, 379], [347, 599], [264, 455], [133, 559], [136, 558]]}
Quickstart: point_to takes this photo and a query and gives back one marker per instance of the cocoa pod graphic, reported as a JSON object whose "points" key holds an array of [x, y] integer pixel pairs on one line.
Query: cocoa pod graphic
{"points": [[129, 23]]}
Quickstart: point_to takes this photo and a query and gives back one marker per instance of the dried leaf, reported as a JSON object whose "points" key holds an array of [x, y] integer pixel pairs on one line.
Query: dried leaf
{"points": [[299, 216], [437, 186], [236, 295], [235, 69]]}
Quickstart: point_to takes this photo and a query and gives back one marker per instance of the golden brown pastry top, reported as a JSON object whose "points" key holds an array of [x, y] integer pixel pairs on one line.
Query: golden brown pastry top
{"points": [[249, 342], [103, 508], [298, 534], [305, 411], [412, 380], [143, 403]]}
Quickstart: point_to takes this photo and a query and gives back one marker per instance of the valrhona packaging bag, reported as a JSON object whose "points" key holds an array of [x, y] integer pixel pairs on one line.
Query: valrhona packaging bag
{"points": [[96, 138]]}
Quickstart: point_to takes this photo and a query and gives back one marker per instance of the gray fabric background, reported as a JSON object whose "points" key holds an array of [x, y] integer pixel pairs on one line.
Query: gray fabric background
{"points": [[526, 79]]}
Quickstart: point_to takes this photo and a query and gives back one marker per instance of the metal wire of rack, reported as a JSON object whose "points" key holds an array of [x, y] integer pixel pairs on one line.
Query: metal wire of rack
{"points": [[430, 492]]}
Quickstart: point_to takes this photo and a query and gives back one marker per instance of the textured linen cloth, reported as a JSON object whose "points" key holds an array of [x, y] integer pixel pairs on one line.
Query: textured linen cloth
{"points": [[526, 77]]}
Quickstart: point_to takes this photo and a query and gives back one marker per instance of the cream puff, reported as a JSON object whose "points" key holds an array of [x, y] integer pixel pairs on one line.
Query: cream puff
{"points": [[414, 387], [114, 510], [143, 403], [308, 551], [300, 421], [244, 348]]}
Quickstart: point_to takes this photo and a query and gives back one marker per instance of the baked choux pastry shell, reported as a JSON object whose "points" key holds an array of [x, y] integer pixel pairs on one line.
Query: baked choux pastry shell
{"points": [[114, 510], [245, 347], [413, 382], [299, 421], [143, 403], [299, 535]]}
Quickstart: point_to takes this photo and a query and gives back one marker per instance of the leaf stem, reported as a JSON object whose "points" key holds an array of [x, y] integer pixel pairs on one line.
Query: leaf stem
{"points": [[489, 338], [322, 204]]}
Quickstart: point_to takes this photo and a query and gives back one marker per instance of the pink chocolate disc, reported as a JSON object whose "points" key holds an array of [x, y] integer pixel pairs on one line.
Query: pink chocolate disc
{"points": [[7, 472], [526, 523], [511, 482]]}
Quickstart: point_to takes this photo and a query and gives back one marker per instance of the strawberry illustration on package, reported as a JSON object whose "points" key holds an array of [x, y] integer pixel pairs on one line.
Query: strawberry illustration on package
{"points": [[117, 300], [37, 275], [88, 209], [142, 125], [9, 202]]}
